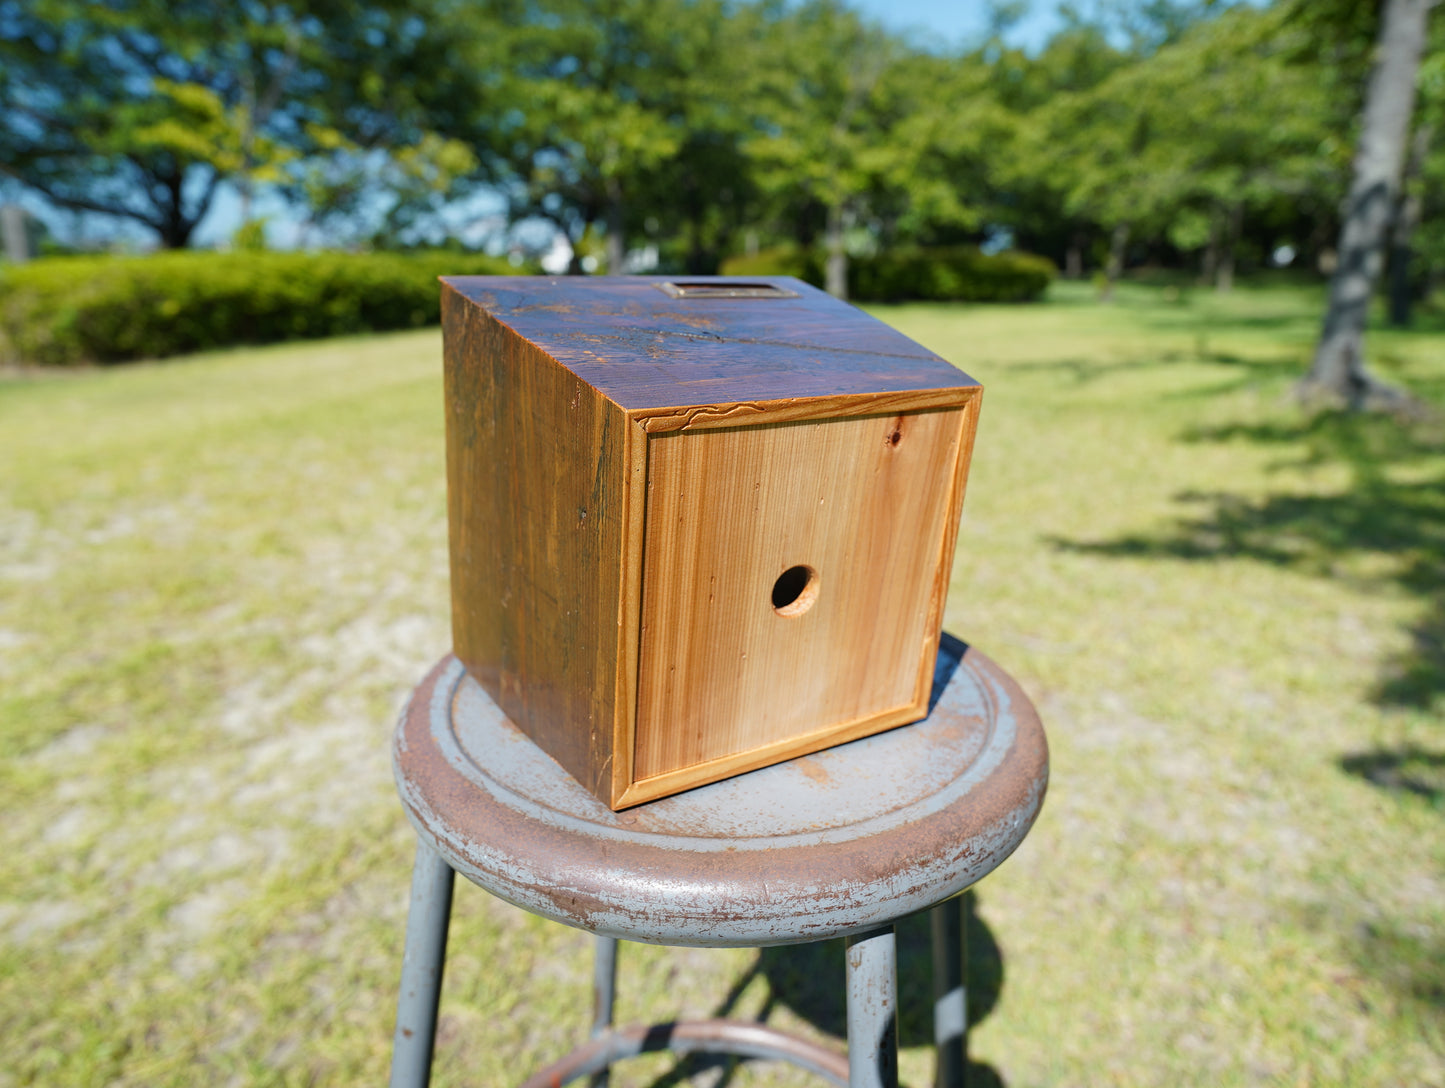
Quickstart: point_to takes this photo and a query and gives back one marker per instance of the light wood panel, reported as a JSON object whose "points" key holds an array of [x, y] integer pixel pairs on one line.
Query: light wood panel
{"points": [[723, 678]]}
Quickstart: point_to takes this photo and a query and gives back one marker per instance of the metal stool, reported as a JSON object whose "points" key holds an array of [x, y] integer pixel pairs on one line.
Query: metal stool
{"points": [[844, 842]]}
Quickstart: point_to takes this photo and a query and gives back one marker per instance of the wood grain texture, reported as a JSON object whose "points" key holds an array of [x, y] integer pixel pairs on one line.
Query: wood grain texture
{"points": [[957, 485], [645, 350], [629, 616], [615, 455], [535, 502], [864, 502]]}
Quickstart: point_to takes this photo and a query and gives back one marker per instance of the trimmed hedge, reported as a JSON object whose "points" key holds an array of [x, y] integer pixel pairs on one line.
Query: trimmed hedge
{"points": [[956, 273], [64, 310], [939, 274], [804, 264]]}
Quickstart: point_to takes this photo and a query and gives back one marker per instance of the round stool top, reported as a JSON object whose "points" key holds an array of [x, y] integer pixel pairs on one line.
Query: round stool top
{"points": [[836, 842]]}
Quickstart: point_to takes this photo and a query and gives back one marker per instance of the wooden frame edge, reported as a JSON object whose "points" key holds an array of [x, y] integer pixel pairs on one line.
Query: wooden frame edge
{"points": [[968, 430], [703, 417], [625, 792], [629, 612]]}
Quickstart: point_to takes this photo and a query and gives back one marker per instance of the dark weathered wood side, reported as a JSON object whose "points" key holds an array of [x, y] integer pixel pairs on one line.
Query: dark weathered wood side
{"points": [[535, 500]]}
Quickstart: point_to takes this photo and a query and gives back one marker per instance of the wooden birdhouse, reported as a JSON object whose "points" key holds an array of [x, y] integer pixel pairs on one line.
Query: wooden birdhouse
{"points": [[698, 525]]}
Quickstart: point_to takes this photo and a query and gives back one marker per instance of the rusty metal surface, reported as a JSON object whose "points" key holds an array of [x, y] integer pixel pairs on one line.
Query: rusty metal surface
{"points": [[830, 844], [746, 1039]]}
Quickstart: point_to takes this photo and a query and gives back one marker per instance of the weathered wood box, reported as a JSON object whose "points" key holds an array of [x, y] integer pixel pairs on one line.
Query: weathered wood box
{"points": [[697, 526]]}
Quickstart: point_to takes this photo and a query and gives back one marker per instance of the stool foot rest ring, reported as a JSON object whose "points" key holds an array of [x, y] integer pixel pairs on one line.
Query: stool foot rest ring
{"points": [[743, 1038]]}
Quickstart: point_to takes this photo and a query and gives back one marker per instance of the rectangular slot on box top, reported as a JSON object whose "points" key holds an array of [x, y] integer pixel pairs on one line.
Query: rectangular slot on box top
{"points": [[725, 290]]}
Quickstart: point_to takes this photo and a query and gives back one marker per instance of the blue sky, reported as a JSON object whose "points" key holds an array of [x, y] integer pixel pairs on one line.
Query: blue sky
{"points": [[954, 22]]}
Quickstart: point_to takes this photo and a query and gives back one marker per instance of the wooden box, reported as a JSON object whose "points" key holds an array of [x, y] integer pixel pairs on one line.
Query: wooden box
{"points": [[697, 526]]}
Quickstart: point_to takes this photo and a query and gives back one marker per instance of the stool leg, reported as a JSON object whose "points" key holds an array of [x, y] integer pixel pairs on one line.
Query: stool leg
{"points": [[421, 970], [873, 1010], [950, 1004], [604, 990]]}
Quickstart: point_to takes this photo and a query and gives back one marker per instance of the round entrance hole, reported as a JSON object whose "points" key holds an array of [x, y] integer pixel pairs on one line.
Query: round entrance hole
{"points": [[795, 591]]}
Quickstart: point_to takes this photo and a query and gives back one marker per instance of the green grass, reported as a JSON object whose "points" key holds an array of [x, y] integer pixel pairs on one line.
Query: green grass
{"points": [[220, 575]]}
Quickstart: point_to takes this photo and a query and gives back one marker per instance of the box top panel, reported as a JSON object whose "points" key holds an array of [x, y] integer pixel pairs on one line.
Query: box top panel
{"points": [[657, 342]]}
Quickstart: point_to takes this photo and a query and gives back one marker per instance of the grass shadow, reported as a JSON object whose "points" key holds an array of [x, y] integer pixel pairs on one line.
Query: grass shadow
{"points": [[1406, 771], [808, 979], [1411, 964], [1392, 506], [1249, 369]]}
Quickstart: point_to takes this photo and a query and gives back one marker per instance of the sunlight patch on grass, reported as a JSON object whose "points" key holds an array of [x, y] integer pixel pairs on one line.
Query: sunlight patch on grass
{"points": [[219, 577]]}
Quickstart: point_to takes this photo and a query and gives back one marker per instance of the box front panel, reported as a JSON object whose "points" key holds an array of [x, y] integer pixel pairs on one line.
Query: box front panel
{"points": [[788, 576]]}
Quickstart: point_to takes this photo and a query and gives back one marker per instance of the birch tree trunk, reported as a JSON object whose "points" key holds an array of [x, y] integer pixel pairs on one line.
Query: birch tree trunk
{"points": [[1338, 372]]}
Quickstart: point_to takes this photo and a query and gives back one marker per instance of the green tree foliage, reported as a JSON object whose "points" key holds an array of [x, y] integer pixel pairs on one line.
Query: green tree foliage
{"points": [[140, 108], [1216, 125], [827, 110], [1199, 132], [604, 92]]}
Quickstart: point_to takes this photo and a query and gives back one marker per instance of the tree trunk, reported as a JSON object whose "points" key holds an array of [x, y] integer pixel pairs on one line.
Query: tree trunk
{"points": [[1209, 262], [1118, 247], [1338, 372], [13, 230], [836, 276], [696, 258], [1224, 278], [574, 263], [694, 209], [176, 226], [1407, 219], [1074, 257], [616, 242]]}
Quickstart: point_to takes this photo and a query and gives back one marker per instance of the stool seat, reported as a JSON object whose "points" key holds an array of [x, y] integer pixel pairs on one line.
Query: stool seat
{"points": [[835, 843]]}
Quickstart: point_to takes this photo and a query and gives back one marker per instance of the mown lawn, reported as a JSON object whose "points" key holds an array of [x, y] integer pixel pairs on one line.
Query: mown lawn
{"points": [[220, 575]]}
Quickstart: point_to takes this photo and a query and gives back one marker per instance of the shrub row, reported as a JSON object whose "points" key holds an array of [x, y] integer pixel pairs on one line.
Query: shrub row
{"points": [[937, 274], [108, 309]]}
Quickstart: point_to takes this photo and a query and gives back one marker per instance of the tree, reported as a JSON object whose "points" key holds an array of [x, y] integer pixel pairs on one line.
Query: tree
{"points": [[823, 135], [1427, 241], [1030, 188], [140, 109], [122, 109], [1419, 226], [1338, 371], [1186, 143], [601, 105], [378, 199]]}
